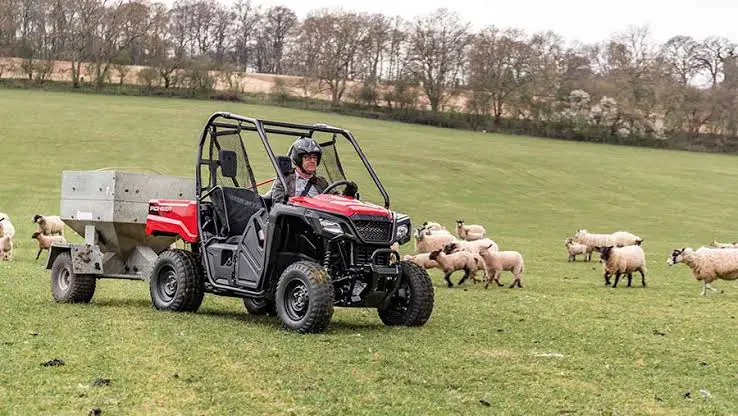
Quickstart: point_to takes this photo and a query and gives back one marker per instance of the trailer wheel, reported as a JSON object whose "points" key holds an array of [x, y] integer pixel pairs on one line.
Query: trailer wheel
{"points": [[260, 306], [412, 305], [304, 297], [67, 286], [176, 282]]}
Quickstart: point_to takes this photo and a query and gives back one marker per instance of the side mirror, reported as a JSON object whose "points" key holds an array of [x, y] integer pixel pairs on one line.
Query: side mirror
{"points": [[228, 166], [285, 165]]}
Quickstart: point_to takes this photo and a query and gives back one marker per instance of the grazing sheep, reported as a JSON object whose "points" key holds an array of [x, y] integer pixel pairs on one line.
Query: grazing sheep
{"points": [[461, 260], [715, 244], [423, 260], [622, 260], [624, 238], [6, 248], [593, 240], [470, 232], [707, 264], [498, 261], [427, 241], [45, 241], [6, 227], [575, 249], [49, 225]]}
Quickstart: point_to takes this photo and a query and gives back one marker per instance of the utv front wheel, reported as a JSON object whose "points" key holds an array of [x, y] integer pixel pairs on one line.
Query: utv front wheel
{"points": [[413, 303], [260, 306], [304, 297], [176, 282], [67, 286]]}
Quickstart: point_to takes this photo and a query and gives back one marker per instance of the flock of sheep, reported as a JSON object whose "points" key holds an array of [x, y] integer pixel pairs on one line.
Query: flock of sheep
{"points": [[49, 230], [471, 251]]}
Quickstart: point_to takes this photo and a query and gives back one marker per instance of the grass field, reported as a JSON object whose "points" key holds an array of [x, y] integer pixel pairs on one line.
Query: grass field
{"points": [[624, 351]]}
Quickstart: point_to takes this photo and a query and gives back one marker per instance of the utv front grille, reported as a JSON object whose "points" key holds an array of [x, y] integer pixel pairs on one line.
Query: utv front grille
{"points": [[363, 255], [377, 229]]}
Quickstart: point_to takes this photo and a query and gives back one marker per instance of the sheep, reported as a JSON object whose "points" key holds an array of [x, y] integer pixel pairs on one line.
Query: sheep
{"points": [[6, 227], [427, 241], [422, 260], [432, 226], [715, 244], [622, 260], [49, 225], [616, 239], [6, 248], [498, 261], [707, 264], [624, 238], [470, 246], [575, 249], [45, 241], [470, 232], [461, 260]]}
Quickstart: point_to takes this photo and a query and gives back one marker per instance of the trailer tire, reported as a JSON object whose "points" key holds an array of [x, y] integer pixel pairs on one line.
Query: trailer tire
{"points": [[304, 298], [67, 286], [176, 282], [413, 304]]}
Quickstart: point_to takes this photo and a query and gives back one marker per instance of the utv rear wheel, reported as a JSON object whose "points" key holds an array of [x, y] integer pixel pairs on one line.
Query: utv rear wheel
{"points": [[67, 286], [304, 297], [413, 303], [260, 306], [176, 282]]}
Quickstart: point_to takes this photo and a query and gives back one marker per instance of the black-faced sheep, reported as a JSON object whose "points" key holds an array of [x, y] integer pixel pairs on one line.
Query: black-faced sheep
{"points": [[498, 261], [49, 225], [460, 260], [470, 232], [45, 241], [707, 264], [575, 249], [622, 260], [432, 226]]}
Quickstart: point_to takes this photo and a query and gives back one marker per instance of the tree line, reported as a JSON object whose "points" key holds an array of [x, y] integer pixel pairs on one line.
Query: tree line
{"points": [[626, 85]]}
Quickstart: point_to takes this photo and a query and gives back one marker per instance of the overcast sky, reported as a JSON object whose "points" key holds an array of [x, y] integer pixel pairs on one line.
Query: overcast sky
{"points": [[584, 20]]}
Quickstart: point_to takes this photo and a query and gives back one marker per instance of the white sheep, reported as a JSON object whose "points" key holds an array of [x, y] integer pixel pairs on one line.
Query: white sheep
{"points": [[470, 246], [616, 239], [49, 225], [45, 241], [715, 244], [575, 249], [470, 232], [622, 260], [460, 260], [707, 264], [6, 248], [6, 227], [624, 238], [432, 226], [498, 261], [427, 241], [423, 260]]}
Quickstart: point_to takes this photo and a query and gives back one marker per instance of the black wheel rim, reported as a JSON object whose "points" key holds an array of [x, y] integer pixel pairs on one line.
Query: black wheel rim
{"points": [[166, 283], [403, 298], [296, 300]]}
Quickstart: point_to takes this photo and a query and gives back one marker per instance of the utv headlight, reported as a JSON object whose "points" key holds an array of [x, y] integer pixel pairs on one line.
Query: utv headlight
{"points": [[331, 226], [402, 231]]}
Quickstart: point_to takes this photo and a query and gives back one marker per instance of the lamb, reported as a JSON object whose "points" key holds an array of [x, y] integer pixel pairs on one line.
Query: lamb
{"points": [[49, 225], [461, 260], [622, 260], [423, 260], [498, 261], [575, 249], [6, 227], [427, 241], [6, 248], [715, 244], [707, 264], [45, 241], [470, 232]]}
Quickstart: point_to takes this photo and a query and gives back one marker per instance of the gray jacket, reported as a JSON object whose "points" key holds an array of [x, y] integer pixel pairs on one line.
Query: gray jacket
{"points": [[279, 195]]}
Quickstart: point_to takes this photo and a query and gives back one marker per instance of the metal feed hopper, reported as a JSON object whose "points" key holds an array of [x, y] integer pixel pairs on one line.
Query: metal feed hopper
{"points": [[109, 209]]}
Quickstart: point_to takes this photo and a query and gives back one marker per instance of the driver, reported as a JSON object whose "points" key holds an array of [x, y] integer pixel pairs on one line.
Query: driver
{"points": [[303, 181]]}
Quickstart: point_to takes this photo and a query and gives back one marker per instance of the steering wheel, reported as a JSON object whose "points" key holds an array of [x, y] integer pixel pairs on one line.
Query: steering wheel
{"points": [[350, 191]]}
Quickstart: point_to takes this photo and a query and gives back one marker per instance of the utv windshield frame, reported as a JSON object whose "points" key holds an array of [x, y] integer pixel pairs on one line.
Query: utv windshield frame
{"points": [[234, 123]]}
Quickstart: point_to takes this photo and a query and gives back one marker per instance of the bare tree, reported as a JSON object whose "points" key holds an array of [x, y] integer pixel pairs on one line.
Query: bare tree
{"points": [[247, 18], [680, 54], [222, 33], [437, 48], [711, 55], [278, 23]]}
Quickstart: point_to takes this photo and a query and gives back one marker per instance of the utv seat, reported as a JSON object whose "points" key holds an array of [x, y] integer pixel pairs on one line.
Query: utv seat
{"points": [[234, 207]]}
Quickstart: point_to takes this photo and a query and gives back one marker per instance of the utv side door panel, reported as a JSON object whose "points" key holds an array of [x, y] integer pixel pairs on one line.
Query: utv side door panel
{"points": [[251, 251]]}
